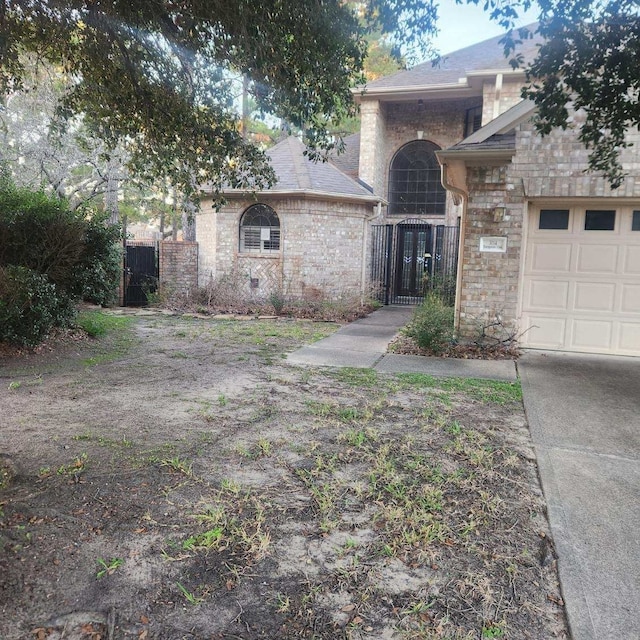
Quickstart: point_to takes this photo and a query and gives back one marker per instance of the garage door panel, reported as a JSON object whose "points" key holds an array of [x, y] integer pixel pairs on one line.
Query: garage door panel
{"points": [[632, 261], [597, 258], [548, 294], [581, 288], [630, 298], [547, 332], [629, 338], [591, 334], [551, 257], [595, 296]]}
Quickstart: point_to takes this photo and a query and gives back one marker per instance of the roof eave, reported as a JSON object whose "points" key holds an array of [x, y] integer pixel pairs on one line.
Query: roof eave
{"points": [[398, 94], [310, 194], [475, 154]]}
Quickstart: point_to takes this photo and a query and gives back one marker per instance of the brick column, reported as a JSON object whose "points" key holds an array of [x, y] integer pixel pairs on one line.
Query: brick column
{"points": [[179, 266]]}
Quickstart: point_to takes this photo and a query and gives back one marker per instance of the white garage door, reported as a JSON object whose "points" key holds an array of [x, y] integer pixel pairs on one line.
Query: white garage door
{"points": [[581, 289]]}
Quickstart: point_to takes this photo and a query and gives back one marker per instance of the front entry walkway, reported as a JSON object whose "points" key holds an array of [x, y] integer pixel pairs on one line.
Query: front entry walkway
{"points": [[584, 417], [364, 344]]}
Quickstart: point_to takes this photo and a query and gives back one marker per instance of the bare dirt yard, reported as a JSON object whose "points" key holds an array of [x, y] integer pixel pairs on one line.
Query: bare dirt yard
{"points": [[176, 478]]}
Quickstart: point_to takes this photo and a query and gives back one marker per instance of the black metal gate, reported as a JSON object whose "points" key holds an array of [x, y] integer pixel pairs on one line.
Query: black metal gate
{"points": [[141, 273], [412, 258]]}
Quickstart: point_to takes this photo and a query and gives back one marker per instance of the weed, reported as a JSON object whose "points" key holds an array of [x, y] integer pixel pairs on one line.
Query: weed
{"points": [[108, 568], [177, 465], [493, 630], [191, 598], [13, 386], [74, 468], [283, 603], [222, 400]]}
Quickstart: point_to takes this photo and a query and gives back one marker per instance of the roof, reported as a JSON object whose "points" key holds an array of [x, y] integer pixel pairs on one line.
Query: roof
{"points": [[349, 160], [497, 137], [457, 68], [297, 174]]}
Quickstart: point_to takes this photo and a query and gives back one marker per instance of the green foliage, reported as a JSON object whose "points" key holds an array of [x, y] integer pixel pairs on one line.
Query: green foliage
{"points": [[98, 324], [51, 257], [29, 306], [157, 76], [432, 324], [100, 266]]}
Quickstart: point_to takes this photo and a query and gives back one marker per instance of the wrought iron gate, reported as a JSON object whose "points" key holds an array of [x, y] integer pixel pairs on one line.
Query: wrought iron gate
{"points": [[141, 272], [411, 258]]}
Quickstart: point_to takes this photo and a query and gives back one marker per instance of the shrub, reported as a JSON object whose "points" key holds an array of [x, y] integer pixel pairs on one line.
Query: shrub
{"points": [[432, 324], [75, 254], [29, 306]]}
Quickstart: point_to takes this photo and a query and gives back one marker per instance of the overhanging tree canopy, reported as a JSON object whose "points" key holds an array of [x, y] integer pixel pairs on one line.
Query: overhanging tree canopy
{"points": [[156, 74]]}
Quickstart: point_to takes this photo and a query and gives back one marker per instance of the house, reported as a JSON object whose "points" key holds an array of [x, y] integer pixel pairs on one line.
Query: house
{"points": [[547, 251]]}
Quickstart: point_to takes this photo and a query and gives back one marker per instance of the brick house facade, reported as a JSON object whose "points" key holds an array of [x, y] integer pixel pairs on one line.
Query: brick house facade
{"points": [[323, 231], [547, 251]]}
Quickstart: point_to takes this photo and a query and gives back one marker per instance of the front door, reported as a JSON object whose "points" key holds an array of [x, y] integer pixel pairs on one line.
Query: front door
{"points": [[413, 258]]}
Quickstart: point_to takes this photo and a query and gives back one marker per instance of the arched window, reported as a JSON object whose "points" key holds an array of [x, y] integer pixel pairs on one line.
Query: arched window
{"points": [[259, 230], [414, 181]]}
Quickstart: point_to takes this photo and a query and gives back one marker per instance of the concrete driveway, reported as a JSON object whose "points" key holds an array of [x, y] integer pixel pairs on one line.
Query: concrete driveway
{"points": [[584, 415]]}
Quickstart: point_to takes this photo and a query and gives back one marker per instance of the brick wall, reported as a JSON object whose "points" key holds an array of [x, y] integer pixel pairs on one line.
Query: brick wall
{"points": [[498, 97], [323, 246], [179, 266], [489, 281], [554, 166]]}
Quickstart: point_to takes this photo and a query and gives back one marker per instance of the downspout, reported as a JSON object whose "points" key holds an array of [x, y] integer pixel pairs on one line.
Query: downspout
{"points": [[365, 221], [459, 197]]}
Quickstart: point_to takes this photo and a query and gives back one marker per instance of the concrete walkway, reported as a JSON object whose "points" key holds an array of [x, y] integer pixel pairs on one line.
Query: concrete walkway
{"points": [[364, 344], [584, 416]]}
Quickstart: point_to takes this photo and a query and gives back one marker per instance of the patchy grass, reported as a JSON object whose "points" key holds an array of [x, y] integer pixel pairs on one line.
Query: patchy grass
{"points": [[98, 324], [225, 494]]}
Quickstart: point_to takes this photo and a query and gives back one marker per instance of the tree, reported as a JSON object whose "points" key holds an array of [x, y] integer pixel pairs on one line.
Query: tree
{"points": [[153, 75]]}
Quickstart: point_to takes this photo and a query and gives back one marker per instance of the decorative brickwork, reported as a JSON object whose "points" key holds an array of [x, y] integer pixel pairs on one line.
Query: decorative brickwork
{"points": [[179, 266]]}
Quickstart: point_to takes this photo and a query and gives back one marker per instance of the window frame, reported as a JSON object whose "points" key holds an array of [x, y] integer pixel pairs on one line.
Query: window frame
{"points": [[415, 186], [259, 244]]}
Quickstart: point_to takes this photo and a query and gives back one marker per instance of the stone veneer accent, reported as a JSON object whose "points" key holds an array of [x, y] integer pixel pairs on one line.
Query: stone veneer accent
{"points": [[323, 248], [179, 266]]}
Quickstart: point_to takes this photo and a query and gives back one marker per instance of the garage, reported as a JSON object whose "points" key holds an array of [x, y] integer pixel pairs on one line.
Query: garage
{"points": [[581, 278]]}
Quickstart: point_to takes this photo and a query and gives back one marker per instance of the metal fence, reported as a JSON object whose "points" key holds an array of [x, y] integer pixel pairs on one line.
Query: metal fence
{"points": [[412, 258]]}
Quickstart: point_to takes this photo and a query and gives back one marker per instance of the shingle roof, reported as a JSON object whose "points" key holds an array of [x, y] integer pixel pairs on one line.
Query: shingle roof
{"points": [[487, 55], [295, 172], [348, 161], [497, 142]]}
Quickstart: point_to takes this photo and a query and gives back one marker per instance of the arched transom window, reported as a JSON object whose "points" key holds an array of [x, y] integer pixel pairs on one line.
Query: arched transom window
{"points": [[259, 230], [414, 181]]}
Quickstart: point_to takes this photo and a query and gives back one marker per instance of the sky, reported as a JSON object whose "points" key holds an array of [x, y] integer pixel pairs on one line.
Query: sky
{"points": [[464, 25]]}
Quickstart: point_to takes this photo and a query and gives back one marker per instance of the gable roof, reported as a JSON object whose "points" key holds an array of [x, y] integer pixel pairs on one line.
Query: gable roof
{"points": [[456, 70], [297, 174]]}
